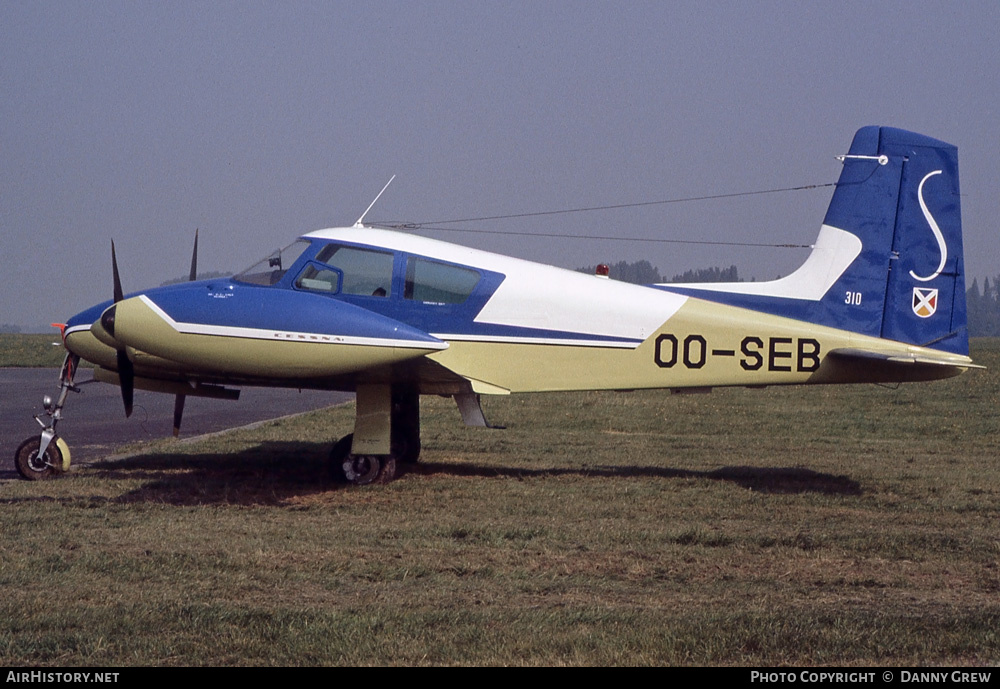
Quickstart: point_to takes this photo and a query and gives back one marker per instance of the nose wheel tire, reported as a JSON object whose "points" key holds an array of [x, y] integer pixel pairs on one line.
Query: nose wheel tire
{"points": [[34, 468], [360, 470]]}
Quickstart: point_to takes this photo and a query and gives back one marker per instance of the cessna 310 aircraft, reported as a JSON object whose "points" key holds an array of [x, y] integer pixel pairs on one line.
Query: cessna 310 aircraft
{"points": [[392, 316]]}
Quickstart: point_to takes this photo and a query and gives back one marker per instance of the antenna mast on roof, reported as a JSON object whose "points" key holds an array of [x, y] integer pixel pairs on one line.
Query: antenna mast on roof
{"points": [[360, 222]]}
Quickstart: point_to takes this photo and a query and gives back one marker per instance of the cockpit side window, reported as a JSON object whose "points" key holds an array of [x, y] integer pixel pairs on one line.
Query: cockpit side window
{"points": [[349, 270], [431, 282], [318, 279]]}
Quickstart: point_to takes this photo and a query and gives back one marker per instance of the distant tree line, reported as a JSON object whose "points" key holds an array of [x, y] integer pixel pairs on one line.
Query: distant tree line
{"points": [[984, 308], [639, 273], [644, 273], [716, 274], [8, 328]]}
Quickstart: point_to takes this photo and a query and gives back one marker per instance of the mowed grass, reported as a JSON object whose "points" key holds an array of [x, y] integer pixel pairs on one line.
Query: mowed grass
{"points": [[805, 526], [32, 351]]}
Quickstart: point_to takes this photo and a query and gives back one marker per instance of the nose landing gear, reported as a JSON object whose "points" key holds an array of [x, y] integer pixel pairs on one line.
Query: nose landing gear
{"points": [[33, 464], [47, 455]]}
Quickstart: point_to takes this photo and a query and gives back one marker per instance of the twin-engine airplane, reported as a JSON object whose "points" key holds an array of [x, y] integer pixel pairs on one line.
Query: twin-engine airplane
{"points": [[392, 316]]}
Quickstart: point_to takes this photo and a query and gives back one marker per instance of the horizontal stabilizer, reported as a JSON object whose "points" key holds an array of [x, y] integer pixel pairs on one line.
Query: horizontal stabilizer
{"points": [[909, 359]]}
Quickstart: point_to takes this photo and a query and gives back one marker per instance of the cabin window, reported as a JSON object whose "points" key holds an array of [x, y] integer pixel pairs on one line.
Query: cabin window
{"points": [[361, 272], [431, 282]]}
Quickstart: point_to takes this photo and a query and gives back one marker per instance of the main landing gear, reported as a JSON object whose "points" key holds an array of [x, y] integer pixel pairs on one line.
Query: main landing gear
{"points": [[47, 455], [386, 436]]}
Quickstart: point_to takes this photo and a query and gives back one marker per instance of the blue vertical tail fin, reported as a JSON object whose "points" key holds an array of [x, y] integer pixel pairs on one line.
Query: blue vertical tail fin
{"points": [[925, 294], [888, 260]]}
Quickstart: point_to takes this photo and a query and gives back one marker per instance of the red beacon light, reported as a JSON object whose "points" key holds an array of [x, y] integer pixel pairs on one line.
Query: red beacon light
{"points": [[602, 270]]}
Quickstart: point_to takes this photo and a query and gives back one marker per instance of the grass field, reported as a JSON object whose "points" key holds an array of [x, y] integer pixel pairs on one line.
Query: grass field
{"points": [[31, 351], [801, 526]]}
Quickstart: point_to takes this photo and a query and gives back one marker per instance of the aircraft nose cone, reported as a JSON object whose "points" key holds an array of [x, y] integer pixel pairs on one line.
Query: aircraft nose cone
{"points": [[108, 320]]}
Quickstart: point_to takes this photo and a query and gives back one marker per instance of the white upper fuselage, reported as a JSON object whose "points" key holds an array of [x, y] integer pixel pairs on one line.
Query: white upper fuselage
{"points": [[534, 295]]}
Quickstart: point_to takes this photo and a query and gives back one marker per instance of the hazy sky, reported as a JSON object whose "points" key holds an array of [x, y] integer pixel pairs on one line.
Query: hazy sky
{"points": [[257, 122]]}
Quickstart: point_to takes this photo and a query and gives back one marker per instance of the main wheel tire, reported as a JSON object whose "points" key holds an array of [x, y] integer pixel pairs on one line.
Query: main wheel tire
{"points": [[338, 454], [359, 470], [30, 467], [388, 470], [405, 424], [407, 452]]}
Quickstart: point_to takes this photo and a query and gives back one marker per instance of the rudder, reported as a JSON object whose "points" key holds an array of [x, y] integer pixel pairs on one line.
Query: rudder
{"points": [[925, 297], [898, 193]]}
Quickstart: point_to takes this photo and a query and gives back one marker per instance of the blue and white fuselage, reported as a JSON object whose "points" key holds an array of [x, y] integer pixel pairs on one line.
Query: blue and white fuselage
{"points": [[392, 316]]}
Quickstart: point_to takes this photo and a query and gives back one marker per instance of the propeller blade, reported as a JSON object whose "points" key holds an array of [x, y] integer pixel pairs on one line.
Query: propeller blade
{"points": [[194, 262], [178, 413], [126, 376], [126, 372], [114, 268]]}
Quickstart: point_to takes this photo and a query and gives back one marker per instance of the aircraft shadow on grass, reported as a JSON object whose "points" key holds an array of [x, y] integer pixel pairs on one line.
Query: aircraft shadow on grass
{"points": [[274, 472], [761, 479]]}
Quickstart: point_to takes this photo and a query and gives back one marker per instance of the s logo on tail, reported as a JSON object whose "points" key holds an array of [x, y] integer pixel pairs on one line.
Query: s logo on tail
{"points": [[937, 235]]}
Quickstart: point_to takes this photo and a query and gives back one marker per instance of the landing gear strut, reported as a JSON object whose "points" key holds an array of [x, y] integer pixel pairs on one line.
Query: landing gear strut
{"points": [[47, 455], [400, 406]]}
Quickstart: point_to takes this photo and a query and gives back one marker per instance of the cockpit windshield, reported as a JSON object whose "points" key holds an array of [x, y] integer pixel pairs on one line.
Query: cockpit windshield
{"points": [[268, 271]]}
